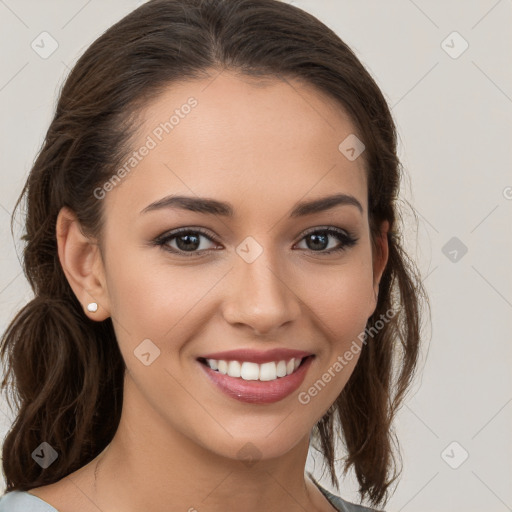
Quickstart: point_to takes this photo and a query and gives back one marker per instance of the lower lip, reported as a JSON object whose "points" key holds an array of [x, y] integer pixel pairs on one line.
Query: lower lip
{"points": [[255, 391]]}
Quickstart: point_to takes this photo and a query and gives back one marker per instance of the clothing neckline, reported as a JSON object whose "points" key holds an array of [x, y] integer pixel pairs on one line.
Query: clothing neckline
{"points": [[334, 500]]}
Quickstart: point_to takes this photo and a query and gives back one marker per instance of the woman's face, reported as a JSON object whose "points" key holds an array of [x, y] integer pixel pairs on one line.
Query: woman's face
{"points": [[254, 281]]}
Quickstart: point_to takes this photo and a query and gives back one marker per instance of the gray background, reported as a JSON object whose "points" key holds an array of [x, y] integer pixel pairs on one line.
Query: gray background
{"points": [[454, 116]]}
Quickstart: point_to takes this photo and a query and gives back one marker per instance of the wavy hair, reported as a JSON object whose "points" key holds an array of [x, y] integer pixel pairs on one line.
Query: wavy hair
{"points": [[64, 371]]}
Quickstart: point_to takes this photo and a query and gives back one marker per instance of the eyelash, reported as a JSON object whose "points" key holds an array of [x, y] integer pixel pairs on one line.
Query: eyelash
{"points": [[347, 240]]}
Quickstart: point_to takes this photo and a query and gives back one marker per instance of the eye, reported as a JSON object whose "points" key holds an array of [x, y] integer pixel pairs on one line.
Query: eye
{"points": [[319, 240], [188, 240]]}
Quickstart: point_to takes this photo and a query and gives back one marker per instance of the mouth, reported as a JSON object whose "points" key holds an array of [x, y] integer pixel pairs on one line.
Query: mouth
{"points": [[256, 383], [251, 371]]}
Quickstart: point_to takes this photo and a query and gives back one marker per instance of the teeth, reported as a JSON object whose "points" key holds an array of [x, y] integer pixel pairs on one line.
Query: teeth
{"points": [[250, 371], [234, 368], [254, 371], [281, 369], [222, 366], [268, 371]]}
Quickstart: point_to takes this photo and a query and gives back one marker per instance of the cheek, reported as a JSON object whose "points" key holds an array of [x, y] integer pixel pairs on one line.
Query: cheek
{"points": [[342, 298], [146, 294], [341, 308], [347, 307], [161, 302]]}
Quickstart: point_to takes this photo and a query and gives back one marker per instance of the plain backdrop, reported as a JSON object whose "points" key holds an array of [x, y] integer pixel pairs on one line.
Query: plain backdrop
{"points": [[445, 69]]}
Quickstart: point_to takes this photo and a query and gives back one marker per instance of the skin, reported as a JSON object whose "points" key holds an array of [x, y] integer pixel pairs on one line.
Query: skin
{"points": [[263, 147]]}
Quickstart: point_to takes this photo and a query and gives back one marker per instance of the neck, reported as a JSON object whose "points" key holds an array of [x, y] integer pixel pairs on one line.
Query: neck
{"points": [[148, 466]]}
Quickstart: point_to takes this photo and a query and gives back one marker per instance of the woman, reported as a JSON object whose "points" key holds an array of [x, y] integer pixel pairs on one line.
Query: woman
{"points": [[218, 273]]}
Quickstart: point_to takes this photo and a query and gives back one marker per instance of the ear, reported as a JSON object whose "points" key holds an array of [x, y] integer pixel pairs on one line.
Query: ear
{"points": [[380, 257], [81, 261]]}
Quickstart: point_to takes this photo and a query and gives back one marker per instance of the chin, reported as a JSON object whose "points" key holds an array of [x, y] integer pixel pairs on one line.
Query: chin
{"points": [[258, 444]]}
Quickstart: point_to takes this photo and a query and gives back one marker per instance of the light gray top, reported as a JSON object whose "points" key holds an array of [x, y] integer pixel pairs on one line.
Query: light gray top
{"points": [[22, 501]]}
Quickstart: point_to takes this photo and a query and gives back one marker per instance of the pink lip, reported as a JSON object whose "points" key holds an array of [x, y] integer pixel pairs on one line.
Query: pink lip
{"points": [[258, 356], [255, 391]]}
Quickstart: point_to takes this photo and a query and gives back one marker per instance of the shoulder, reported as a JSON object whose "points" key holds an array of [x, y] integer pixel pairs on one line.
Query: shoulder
{"points": [[344, 506], [339, 503], [22, 501]]}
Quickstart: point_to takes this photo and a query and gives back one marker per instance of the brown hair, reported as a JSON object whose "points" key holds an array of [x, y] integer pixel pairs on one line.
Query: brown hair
{"points": [[65, 371]]}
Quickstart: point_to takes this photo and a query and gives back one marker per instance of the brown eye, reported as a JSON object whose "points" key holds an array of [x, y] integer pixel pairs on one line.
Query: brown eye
{"points": [[318, 240], [186, 240]]}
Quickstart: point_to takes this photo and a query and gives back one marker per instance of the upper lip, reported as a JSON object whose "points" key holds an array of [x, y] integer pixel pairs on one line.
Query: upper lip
{"points": [[258, 356]]}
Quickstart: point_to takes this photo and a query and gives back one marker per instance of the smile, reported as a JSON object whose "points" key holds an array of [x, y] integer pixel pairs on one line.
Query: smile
{"points": [[256, 383], [253, 371]]}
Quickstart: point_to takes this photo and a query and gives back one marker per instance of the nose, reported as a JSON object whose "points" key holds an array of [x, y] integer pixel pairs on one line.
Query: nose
{"points": [[262, 297]]}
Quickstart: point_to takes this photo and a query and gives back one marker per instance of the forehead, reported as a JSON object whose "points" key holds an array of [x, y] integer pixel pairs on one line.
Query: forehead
{"points": [[250, 141]]}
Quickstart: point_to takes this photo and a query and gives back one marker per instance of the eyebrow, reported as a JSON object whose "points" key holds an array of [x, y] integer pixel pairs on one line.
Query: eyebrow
{"points": [[215, 207]]}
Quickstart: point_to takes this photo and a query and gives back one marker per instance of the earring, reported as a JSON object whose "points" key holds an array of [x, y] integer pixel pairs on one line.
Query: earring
{"points": [[92, 307]]}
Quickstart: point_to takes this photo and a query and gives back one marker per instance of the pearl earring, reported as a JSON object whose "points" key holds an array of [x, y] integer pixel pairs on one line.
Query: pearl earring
{"points": [[92, 307]]}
